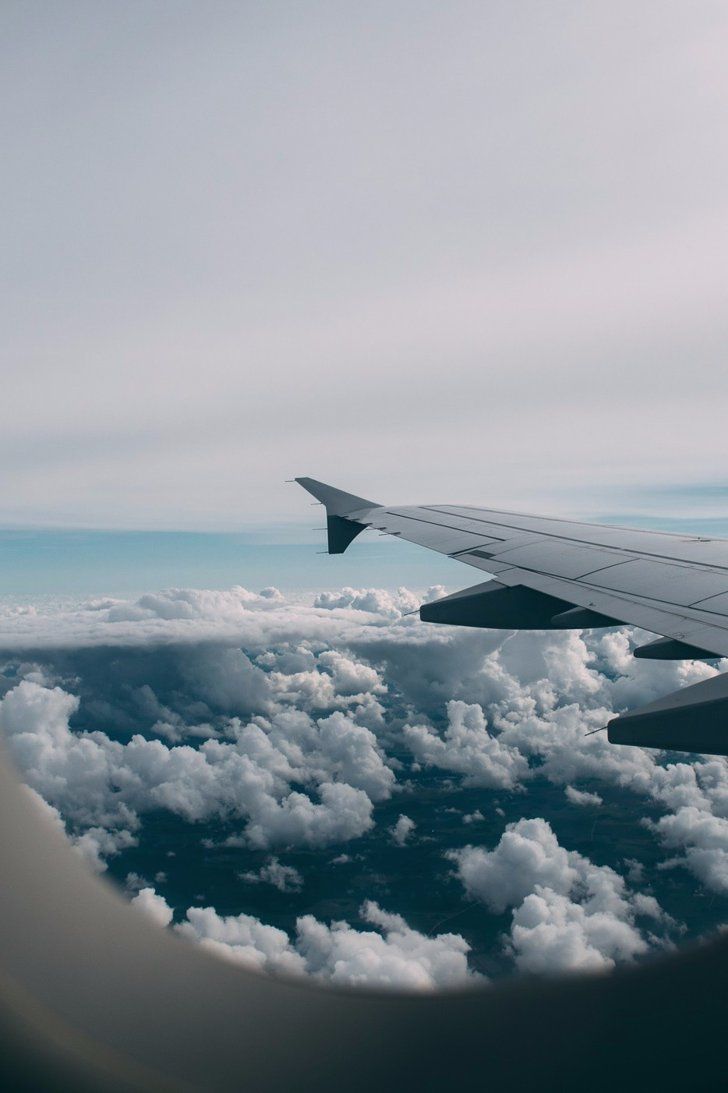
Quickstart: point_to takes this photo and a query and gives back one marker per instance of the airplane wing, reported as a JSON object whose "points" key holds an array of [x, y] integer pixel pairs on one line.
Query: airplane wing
{"points": [[560, 574]]}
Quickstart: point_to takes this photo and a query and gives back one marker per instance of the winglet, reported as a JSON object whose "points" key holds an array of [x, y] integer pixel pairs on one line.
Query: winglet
{"points": [[341, 530], [337, 502]]}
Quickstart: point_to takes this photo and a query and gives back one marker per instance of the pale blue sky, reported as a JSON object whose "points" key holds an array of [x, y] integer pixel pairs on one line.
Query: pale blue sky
{"points": [[77, 562], [467, 251]]}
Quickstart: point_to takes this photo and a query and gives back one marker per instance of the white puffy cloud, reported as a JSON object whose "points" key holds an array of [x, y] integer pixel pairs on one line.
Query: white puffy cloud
{"points": [[343, 813], [244, 940], [153, 906], [551, 933], [582, 797], [190, 603], [528, 854], [568, 912], [376, 601], [398, 957], [467, 748], [391, 955], [99, 783], [96, 845], [283, 877], [402, 830], [704, 838], [337, 745], [285, 717]]}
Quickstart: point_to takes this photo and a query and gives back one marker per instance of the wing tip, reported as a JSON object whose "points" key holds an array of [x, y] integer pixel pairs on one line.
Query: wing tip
{"points": [[337, 502]]}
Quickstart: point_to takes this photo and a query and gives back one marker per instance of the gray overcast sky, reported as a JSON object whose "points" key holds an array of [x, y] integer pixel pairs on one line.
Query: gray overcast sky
{"points": [[453, 251]]}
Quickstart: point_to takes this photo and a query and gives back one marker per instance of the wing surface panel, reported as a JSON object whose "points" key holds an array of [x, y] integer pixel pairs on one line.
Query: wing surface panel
{"points": [[715, 605], [671, 583], [671, 546], [644, 578], [561, 559]]}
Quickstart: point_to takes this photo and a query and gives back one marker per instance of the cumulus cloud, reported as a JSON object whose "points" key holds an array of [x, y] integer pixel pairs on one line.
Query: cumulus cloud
{"points": [[402, 830], [281, 733], [244, 940], [528, 854], [288, 722], [467, 748], [99, 783], [390, 955], [568, 913], [96, 845], [283, 877], [582, 797], [552, 933], [704, 837], [331, 681], [343, 813], [377, 601], [155, 907]]}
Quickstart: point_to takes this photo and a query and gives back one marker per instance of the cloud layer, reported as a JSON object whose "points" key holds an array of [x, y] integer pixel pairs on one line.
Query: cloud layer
{"points": [[293, 726]]}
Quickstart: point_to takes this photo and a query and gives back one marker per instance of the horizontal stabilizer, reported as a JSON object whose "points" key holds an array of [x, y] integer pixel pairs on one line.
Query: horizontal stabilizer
{"points": [[692, 719]]}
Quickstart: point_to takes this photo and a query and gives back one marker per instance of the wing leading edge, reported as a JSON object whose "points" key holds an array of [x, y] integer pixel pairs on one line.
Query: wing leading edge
{"points": [[561, 574]]}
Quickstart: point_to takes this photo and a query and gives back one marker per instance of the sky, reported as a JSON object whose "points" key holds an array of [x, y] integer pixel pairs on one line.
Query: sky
{"points": [[468, 252]]}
